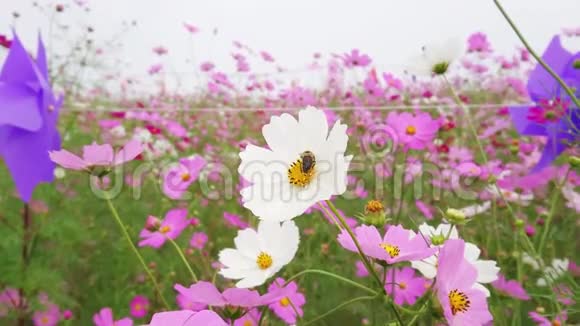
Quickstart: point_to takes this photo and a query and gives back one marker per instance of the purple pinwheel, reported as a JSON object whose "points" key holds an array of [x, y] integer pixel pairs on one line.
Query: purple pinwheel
{"points": [[28, 118], [553, 115]]}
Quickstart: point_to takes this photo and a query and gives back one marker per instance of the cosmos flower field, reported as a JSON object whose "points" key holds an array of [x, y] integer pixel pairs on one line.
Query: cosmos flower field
{"points": [[446, 195]]}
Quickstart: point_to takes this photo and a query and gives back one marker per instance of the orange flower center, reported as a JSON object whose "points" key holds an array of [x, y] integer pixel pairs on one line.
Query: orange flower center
{"points": [[411, 130], [403, 285], [164, 229], [185, 177]]}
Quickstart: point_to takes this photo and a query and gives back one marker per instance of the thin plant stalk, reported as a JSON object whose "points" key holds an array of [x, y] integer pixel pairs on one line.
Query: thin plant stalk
{"points": [[183, 259], [135, 251]]}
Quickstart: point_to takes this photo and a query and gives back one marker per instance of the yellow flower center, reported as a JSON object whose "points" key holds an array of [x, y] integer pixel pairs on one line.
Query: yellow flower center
{"points": [[248, 322], [302, 171], [185, 176], [285, 302], [374, 206], [411, 130], [44, 320], [264, 260], [403, 285], [137, 306], [459, 301], [393, 251], [164, 229]]}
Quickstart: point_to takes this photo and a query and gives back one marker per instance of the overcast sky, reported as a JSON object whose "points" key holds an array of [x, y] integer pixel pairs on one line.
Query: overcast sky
{"points": [[390, 31]]}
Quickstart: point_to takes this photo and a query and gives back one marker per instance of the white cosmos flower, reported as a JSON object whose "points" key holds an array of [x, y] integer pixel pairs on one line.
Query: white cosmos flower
{"points": [[305, 164], [436, 58], [487, 270], [439, 234], [558, 268], [259, 255]]}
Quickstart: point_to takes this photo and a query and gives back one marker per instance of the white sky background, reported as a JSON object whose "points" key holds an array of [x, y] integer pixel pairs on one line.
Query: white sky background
{"points": [[390, 31]]}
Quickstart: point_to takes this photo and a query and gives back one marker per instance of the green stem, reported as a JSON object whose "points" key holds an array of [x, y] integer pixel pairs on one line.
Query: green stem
{"points": [[183, 259], [419, 313], [354, 239], [536, 56], [326, 273], [479, 145], [552, 212], [340, 306], [132, 245]]}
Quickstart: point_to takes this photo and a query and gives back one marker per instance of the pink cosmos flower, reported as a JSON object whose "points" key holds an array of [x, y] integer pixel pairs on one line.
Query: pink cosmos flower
{"points": [[355, 59], [414, 131], [187, 318], [407, 288], [397, 245], [178, 178], [155, 69], [266, 56], [291, 297], [48, 317], [160, 50], [9, 299], [185, 304], [139, 306], [478, 42], [105, 318], [250, 318], [461, 303], [361, 269], [171, 227], [543, 321], [235, 221], [425, 209], [207, 294], [198, 240], [206, 66], [95, 155], [510, 287], [191, 28]]}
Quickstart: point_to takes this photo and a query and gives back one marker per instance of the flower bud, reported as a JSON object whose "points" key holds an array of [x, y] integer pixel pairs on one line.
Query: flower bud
{"points": [[438, 239], [576, 64], [519, 223], [514, 149], [455, 216], [375, 213], [574, 161]]}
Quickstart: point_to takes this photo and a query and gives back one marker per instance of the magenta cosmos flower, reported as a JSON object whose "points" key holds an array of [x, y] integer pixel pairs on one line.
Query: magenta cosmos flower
{"points": [[105, 318], [406, 285], [291, 302], [206, 293], [187, 318], [171, 227], [96, 155], [456, 277], [48, 317], [356, 59], [250, 318], [198, 240], [139, 306], [178, 178], [543, 321], [414, 131], [510, 287], [397, 245], [235, 221]]}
